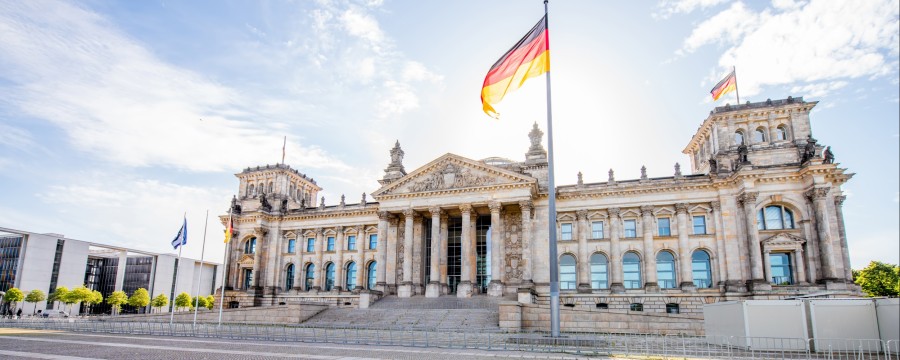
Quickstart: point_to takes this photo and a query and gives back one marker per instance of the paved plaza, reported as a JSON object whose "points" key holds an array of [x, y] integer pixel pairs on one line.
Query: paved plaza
{"points": [[59, 345]]}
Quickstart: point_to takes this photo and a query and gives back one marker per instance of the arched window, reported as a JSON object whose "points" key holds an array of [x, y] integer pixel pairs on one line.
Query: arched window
{"points": [[631, 270], [351, 276], [289, 277], [329, 277], [250, 246], [261, 188], [310, 276], [251, 190], [271, 187], [774, 217], [701, 269], [567, 275], [781, 133], [599, 271], [371, 280], [759, 135], [665, 270], [738, 137]]}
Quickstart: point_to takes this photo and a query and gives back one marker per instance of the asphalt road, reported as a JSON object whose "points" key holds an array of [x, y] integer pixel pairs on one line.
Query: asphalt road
{"points": [[37, 344]]}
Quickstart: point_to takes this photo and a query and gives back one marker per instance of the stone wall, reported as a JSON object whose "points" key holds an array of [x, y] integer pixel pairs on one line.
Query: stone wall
{"points": [[279, 314], [531, 317], [332, 299]]}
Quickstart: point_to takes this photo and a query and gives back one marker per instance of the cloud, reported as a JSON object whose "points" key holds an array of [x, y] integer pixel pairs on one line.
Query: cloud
{"points": [[119, 102], [818, 89], [817, 42], [667, 8]]}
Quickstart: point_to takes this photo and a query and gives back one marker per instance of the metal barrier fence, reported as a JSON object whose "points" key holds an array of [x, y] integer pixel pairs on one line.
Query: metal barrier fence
{"points": [[607, 344]]}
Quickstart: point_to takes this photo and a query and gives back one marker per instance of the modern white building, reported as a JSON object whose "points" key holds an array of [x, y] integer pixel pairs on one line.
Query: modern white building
{"points": [[30, 261]]}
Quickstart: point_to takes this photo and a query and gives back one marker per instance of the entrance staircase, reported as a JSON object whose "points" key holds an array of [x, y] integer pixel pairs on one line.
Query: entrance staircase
{"points": [[418, 312]]}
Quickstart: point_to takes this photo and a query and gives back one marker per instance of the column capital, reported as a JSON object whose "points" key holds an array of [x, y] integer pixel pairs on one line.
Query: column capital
{"points": [[465, 208], [817, 193], [716, 205], [444, 217], [495, 206], [526, 205], [748, 197], [260, 231], [647, 210], [581, 214], [318, 231], [839, 200], [339, 229], [435, 211], [613, 212], [681, 208], [409, 213], [384, 215]]}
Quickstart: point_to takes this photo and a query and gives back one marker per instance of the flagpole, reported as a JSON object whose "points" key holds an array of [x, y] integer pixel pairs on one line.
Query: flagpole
{"points": [[177, 264], [736, 92], [200, 273], [225, 268], [283, 147], [554, 269]]}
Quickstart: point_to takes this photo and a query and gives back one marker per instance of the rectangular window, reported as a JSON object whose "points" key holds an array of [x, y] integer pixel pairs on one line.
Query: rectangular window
{"points": [[292, 246], [311, 245], [330, 244], [597, 230], [630, 229], [373, 242], [566, 231], [664, 228], [699, 225], [351, 242]]}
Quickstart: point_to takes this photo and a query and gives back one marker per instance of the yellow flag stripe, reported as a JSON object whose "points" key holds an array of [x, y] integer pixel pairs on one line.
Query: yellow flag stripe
{"points": [[494, 93]]}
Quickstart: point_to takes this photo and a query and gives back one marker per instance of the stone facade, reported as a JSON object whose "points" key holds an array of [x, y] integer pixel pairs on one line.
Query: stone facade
{"points": [[759, 218]]}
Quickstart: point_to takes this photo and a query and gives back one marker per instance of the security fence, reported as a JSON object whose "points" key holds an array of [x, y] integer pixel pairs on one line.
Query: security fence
{"points": [[604, 344]]}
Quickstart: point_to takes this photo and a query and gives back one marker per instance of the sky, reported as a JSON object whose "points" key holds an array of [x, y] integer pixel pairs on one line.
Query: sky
{"points": [[118, 117]]}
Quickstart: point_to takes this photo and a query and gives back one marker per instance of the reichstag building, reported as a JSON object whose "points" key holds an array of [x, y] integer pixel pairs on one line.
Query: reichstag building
{"points": [[759, 216]]}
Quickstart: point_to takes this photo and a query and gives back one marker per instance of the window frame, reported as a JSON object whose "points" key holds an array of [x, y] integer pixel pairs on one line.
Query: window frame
{"points": [[626, 230], [351, 242], [788, 265], [707, 272], [329, 276], [289, 277], [743, 138], [668, 226], [563, 232], [350, 275], [629, 284], [595, 276], [329, 245], [694, 225], [781, 133], [292, 246], [566, 284], [786, 218], [660, 281], [759, 135], [311, 245], [595, 232], [372, 275]]}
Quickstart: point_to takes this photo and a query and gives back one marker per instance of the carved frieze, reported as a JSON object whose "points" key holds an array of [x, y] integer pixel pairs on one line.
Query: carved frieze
{"points": [[401, 234], [512, 231], [451, 176]]}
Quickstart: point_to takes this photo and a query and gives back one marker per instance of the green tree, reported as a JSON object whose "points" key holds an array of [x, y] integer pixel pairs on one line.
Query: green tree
{"points": [[78, 295], [159, 301], [35, 296], [879, 279], [13, 295], [200, 302], [59, 294], [210, 302], [183, 300], [116, 300], [94, 298], [139, 299]]}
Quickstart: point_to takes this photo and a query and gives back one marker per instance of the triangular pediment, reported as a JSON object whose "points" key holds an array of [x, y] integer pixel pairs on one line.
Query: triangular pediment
{"points": [[784, 239], [451, 172], [247, 259]]}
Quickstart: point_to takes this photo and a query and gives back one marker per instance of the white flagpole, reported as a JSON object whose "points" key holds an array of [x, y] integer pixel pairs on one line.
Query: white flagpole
{"points": [[177, 264], [554, 269], [225, 266], [199, 273]]}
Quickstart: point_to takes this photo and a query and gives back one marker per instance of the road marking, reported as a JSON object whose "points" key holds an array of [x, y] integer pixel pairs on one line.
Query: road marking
{"points": [[40, 355], [172, 348]]}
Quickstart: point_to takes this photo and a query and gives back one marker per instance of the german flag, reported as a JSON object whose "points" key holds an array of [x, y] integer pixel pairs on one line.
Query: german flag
{"points": [[727, 85], [229, 231], [530, 57]]}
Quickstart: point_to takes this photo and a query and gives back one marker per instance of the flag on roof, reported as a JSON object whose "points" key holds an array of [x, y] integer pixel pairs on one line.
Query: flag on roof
{"points": [[529, 58]]}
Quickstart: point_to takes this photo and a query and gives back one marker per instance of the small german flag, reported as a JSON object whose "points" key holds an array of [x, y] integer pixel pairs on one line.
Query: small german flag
{"points": [[530, 57], [727, 85]]}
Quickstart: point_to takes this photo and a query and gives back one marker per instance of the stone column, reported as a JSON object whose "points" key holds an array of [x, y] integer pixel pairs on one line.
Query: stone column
{"points": [[361, 268], [381, 252], [798, 264], [257, 258], [527, 246], [339, 260], [120, 270], [583, 273], [767, 266], [720, 241], [466, 288], [495, 288], [684, 248], [405, 289], [650, 285], [299, 270], [433, 288], [320, 272], [842, 232], [819, 196], [758, 279], [445, 220], [615, 252]]}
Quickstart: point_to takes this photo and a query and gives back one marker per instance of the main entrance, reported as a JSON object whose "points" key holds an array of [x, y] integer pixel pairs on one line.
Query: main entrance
{"points": [[482, 249]]}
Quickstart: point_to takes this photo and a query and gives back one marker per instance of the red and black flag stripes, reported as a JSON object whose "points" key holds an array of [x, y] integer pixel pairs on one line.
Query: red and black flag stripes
{"points": [[530, 57], [728, 84]]}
